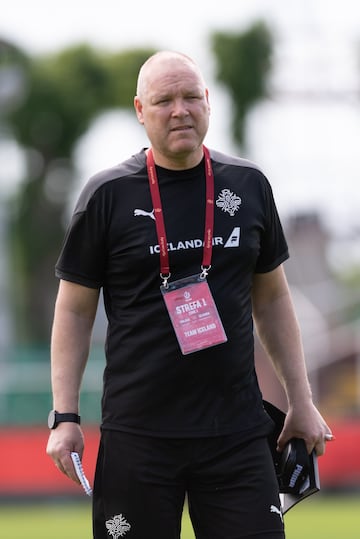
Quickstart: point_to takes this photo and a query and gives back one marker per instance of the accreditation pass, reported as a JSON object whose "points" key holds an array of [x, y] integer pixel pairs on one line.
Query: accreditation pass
{"points": [[193, 314]]}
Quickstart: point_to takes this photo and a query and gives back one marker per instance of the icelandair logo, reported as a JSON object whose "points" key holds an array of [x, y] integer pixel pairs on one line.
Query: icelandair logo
{"points": [[232, 241], [234, 238]]}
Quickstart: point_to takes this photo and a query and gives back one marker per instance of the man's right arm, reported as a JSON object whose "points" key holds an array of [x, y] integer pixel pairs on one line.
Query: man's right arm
{"points": [[74, 317]]}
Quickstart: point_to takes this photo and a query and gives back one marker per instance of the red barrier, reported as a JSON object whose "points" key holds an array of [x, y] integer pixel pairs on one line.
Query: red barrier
{"points": [[25, 469], [340, 466]]}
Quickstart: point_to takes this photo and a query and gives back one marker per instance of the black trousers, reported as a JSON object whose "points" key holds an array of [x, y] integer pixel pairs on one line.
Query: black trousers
{"points": [[141, 483]]}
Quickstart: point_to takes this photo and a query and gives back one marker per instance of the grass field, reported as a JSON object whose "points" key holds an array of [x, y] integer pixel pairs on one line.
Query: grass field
{"points": [[319, 517]]}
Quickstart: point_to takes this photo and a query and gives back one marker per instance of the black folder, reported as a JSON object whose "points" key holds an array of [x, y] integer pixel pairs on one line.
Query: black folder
{"points": [[296, 470]]}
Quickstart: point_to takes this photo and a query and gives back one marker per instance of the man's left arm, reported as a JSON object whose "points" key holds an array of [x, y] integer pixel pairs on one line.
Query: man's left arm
{"points": [[279, 333]]}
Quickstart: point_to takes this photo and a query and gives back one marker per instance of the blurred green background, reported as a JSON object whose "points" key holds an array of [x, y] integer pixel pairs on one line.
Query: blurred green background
{"points": [[322, 518]]}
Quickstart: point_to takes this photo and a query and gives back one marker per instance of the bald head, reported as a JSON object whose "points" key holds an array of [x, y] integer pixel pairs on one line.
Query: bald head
{"points": [[172, 103], [164, 60]]}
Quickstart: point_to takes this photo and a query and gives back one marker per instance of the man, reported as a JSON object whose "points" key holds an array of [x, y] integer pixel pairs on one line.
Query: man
{"points": [[182, 412]]}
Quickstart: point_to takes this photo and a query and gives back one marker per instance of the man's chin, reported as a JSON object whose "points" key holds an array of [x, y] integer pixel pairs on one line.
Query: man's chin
{"points": [[185, 146]]}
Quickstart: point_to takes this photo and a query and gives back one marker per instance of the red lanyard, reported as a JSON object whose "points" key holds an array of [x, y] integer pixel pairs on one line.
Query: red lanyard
{"points": [[159, 216]]}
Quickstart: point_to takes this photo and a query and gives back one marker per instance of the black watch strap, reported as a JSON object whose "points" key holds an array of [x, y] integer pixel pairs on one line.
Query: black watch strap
{"points": [[55, 418]]}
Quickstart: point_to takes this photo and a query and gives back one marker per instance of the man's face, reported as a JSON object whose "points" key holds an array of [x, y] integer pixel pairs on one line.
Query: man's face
{"points": [[174, 109]]}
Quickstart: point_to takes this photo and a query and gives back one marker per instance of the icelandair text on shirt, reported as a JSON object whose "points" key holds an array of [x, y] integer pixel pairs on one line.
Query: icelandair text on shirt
{"points": [[187, 244]]}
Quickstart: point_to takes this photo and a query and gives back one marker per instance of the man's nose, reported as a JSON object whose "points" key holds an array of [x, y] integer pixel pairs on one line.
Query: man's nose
{"points": [[180, 107]]}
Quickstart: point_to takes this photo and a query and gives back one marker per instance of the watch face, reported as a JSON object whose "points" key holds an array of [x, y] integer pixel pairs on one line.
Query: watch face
{"points": [[51, 419]]}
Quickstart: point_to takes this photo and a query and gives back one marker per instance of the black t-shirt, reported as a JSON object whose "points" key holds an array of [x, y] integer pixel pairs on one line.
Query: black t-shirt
{"points": [[111, 243]]}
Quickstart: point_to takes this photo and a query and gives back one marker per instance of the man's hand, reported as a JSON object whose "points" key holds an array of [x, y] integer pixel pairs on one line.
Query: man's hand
{"points": [[67, 437], [305, 421]]}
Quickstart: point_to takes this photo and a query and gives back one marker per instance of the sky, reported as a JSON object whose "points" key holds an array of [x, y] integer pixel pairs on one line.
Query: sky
{"points": [[305, 137]]}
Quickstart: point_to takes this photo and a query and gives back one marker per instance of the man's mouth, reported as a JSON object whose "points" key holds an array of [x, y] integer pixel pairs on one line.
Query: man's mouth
{"points": [[181, 128]]}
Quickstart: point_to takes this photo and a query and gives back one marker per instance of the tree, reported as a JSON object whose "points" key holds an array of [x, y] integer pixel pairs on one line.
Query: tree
{"points": [[63, 93], [243, 65]]}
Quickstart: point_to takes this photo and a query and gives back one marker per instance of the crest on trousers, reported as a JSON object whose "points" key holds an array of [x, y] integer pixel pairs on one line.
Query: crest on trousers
{"points": [[117, 526], [228, 202]]}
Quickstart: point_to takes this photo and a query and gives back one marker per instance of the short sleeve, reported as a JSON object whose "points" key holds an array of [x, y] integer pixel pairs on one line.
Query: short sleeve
{"points": [[273, 246], [82, 258]]}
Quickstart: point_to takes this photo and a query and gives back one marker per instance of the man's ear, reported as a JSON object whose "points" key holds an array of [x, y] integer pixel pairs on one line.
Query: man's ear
{"points": [[207, 99], [138, 109]]}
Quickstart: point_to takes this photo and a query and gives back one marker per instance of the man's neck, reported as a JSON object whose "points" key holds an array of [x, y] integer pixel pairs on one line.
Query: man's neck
{"points": [[179, 162]]}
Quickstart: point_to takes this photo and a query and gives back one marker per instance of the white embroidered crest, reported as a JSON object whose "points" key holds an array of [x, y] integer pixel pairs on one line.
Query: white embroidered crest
{"points": [[117, 526], [228, 202], [274, 509]]}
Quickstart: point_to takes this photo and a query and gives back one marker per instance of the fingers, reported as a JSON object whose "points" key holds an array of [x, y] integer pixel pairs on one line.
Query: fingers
{"points": [[318, 447], [66, 466], [321, 445], [316, 443]]}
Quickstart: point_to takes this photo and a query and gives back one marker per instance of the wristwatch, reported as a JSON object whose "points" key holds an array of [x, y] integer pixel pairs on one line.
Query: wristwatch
{"points": [[54, 418]]}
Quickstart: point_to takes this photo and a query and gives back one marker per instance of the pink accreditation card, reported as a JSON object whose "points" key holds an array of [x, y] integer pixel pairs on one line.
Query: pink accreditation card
{"points": [[193, 314]]}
